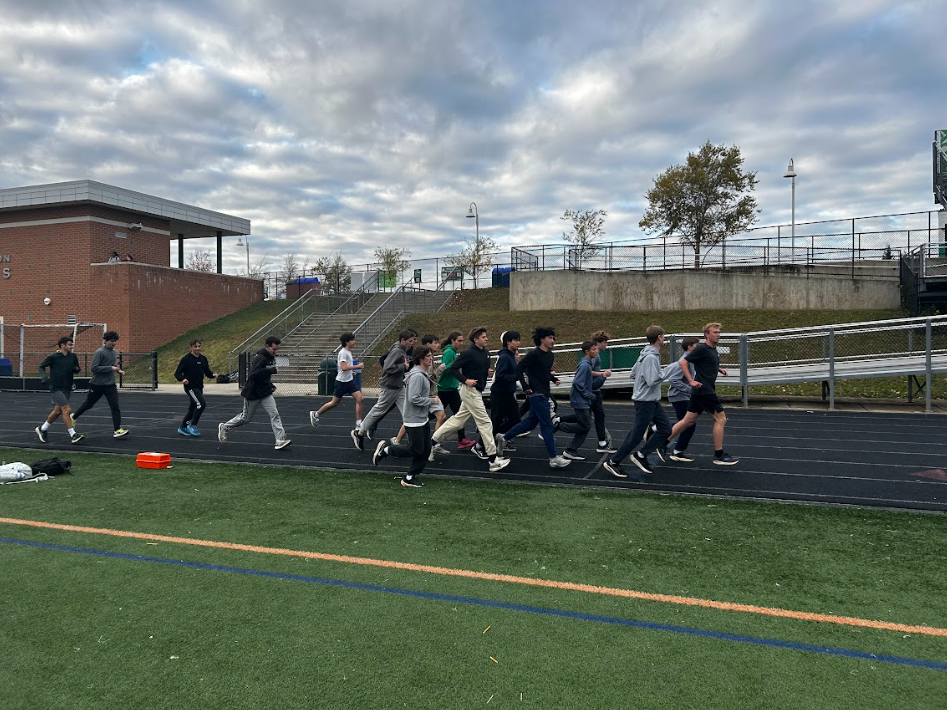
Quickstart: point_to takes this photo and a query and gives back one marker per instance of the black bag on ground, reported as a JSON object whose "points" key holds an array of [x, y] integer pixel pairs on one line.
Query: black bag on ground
{"points": [[51, 467]]}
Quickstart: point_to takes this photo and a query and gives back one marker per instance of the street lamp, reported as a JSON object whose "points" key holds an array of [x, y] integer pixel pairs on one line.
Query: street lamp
{"points": [[791, 173], [472, 212], [240, 244]]}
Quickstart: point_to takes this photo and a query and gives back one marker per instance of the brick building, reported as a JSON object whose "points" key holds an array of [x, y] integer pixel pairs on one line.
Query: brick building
{"points": [[55, 247]]}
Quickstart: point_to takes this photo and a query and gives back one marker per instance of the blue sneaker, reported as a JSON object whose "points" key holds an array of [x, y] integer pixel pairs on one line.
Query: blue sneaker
{"points": [[183, 431], [193, 430]]}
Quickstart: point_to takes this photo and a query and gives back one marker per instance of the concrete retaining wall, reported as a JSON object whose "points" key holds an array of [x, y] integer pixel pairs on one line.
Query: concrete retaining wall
{"points": [[693, 289]]}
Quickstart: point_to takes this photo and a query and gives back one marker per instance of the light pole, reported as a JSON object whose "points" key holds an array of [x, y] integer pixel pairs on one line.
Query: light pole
{"points": [[472, 212], [240, 244], [791, 173]]}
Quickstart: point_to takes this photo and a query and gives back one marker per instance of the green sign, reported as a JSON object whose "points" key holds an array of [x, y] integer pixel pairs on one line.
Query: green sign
{"points": [[417, 276], [387, 279], [450, 273]]}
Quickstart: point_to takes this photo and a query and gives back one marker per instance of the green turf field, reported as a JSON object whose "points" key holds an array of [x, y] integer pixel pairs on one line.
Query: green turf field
{"points": [[117, 622]]}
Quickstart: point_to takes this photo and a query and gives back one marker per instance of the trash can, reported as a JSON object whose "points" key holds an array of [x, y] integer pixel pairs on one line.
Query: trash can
{"points": [[327, 376], [6, 367]]}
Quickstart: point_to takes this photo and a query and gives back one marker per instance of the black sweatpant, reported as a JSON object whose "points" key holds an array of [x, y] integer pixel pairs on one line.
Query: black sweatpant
{"points": [[504, 411], [598, 413], [96, 393], [418, 449], [451, 400], [195, 406]]}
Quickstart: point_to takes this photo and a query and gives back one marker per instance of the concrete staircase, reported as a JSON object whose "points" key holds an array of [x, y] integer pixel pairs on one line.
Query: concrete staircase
{"points": [[319, 335]]}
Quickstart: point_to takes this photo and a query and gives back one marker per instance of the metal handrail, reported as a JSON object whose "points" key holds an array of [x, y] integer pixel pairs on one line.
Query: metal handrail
{"points": [[356, 295], [269, 325]]}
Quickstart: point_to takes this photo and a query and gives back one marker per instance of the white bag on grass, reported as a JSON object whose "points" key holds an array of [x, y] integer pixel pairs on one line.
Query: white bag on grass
{"points": [[13, 472]]}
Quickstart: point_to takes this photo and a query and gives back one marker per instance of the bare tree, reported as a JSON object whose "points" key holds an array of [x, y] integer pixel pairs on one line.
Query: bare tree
{"points": [[338, 274], [475, 259], [704, 201], [200, 261], [291, 268], [588, 227], [391, 262]]}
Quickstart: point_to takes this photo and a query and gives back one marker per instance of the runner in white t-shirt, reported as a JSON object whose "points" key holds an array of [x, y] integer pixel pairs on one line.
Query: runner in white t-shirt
{"points": [[345, 381]]}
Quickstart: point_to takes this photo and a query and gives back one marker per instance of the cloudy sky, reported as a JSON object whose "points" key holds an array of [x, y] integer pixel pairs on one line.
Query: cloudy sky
{"points": [[340, 125]]}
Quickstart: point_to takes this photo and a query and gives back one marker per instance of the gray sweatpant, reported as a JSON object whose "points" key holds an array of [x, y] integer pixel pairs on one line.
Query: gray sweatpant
{"points": [[250, 407], [388, 399]]}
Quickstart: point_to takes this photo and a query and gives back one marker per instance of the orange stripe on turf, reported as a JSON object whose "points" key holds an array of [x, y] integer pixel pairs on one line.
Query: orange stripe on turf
{"points": [[488, 576]]}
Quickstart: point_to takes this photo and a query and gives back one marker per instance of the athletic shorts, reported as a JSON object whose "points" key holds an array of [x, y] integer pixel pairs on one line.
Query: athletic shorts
{"points": [[704, 402], [60, 398], [344, 388], [438, 407]]}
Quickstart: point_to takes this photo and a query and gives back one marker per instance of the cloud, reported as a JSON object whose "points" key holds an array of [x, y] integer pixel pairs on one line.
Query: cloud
{"points": [[344, 125]]}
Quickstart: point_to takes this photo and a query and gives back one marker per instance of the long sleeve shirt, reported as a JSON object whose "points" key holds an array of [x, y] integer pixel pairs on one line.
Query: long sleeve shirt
{"points": [[62, 370], [102, 363], [537, 368], [472, 364], [194, 370]]}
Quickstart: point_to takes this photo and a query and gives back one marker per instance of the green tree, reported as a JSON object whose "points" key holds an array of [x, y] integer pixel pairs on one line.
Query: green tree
{"points": [[588, 227], [704, 201], [337, 273], [391, 262]]}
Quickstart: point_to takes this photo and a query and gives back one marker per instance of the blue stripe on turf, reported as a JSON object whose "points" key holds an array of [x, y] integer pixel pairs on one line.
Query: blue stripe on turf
{"points": [[666, 628]]}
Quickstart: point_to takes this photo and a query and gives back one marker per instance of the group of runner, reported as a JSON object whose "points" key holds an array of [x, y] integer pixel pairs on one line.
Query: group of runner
{"points": [[423, 391]]}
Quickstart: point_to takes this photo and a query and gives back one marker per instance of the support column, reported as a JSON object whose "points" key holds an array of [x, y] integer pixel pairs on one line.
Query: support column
{"points": [[220, 252], [180, 250]]}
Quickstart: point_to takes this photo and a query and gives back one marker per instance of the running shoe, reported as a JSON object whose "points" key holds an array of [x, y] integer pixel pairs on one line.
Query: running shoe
{"points": [[313, 418], [193, 430], [725, 459], [379, 452], [662, 453], [76, 438], [641, 462], [43, 436], [282, 444], [572, 456], [221, 433], [357, 439], [465, 444], [501, 444], [498, 464], [606, 449], [182, 430], [394, 441], [680, 457], [119, 433], [559, 462], [614, 469], [438, 450], [412, 482], [478, 451]]}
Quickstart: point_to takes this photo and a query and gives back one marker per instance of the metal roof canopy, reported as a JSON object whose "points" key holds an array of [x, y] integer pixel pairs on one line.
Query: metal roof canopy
{"points": [[192, 222]]}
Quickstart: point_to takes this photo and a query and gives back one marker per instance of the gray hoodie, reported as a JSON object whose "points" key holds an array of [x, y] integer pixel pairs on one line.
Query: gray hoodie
{"points": [[417, 397], [102, 363], [392, 374], [648, 376]]}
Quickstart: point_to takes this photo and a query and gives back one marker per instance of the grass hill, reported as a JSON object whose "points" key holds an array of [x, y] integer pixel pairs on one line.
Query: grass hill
{"points": [[490, 308]]}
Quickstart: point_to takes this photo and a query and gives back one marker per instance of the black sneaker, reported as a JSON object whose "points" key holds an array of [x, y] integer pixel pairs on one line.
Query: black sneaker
{"points": [[357, 440], [680, 457], [573, 456], [614, 469], [662, 453], [479, 451], [412, 482], [76, 438], [43, 436], [606, 449], [725, 459], [379, 452], [641, 462]]}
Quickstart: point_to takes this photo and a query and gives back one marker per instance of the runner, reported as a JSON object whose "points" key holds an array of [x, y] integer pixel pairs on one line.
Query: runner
{"points": [[63, 367], [418, 406], [258, 392], [391, 390], [191, 372], [103, 384], [345, 381], [600, 338], [581, 397], [706, 362], [447, 385]]}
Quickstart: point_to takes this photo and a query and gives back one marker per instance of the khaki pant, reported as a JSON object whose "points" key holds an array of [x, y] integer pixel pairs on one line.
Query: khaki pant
{"points": [[471, 405]]}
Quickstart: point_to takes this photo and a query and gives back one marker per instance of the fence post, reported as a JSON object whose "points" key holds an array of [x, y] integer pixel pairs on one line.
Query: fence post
{"points": [[154, 369], [22, 336], [832, 369], [779, 243], [927, 368], [724, 252], [744, 368], [853, 248]]}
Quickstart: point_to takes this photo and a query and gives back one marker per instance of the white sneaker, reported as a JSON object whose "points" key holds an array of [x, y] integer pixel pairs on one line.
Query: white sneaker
{"points": [[394, 441], [439, 450], [222, 432], [282, 444], [571, 456], [313, 418], [559, 462], [499, 464]]}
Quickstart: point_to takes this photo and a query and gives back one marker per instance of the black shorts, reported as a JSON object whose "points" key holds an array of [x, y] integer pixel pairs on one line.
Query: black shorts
{"points": [[704, 402], [343, 389]]}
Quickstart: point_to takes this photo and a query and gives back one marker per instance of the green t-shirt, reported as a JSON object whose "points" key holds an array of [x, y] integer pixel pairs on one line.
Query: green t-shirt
{"points": [[446, 383]]}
